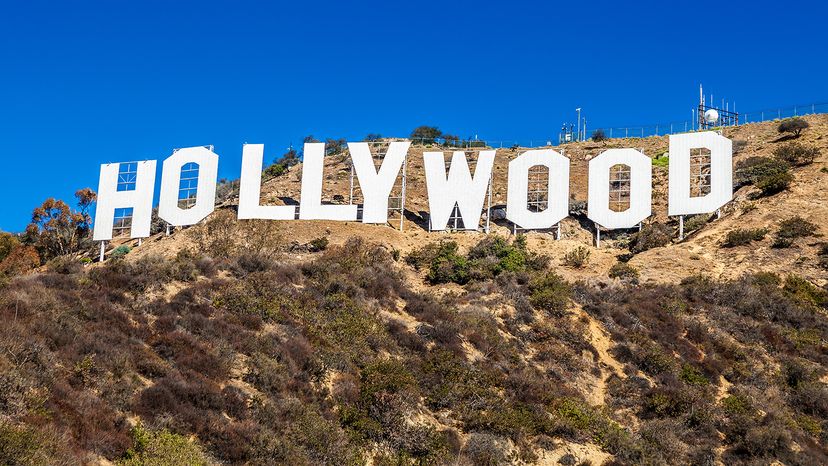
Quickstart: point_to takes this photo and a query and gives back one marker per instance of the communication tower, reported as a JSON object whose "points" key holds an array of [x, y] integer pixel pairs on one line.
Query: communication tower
{"points": [[711, 117]]}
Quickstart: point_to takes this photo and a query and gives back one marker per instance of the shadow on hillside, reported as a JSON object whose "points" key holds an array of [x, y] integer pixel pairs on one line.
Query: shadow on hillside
{"points": [[786, 137]]}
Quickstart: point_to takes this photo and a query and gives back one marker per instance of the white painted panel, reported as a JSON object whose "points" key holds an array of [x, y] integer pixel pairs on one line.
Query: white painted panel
{"points": [[168, 208], [109, 199], [721, 173], [641, 188], [517, 210], [250, 189], [376, 185], [310, 206], [459, 186]]}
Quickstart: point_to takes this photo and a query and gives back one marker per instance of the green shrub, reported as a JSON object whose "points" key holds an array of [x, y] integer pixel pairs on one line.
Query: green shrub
{"points": [[693, 376], [577, 257], [696, 222], [796, 154], [822, 256], [793, 125], [805, 292], [120, 251], [383, 377], [791, 229], [275, 170], [25, 446], [740, 237], [769, 175], [494, 255], [487, 259], [579, 417], [736, 405], [599, 135], [319, 244], [448, 265], [774, 183], [549, 293], [653, 235], [162, 448], [623, 271]]}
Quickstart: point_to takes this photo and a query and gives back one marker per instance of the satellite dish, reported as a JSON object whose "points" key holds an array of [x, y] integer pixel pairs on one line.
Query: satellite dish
{"points": [[711, 116]]}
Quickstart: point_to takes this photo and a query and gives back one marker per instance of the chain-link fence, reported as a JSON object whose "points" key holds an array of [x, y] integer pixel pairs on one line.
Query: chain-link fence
{"points": [[640, 131]]}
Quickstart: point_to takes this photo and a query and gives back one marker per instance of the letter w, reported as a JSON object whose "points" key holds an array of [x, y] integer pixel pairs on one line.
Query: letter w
{"points": [[458, 188]]}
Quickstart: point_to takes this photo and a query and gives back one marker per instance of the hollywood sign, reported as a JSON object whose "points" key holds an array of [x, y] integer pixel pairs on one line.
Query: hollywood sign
{"points": [[445, 188]]}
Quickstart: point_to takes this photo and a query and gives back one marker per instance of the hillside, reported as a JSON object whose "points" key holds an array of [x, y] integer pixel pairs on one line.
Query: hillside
{"points": [[315, 342], [699, 252]]}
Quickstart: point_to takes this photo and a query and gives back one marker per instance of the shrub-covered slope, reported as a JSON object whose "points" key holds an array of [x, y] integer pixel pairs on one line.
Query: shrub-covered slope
{"points": [[242, 355]]}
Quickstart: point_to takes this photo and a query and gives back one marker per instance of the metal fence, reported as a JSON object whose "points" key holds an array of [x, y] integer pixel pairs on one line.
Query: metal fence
{"points": [[640, 131]]}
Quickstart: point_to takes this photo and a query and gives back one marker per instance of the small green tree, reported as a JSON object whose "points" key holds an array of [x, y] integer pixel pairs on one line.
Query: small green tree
{"points": [[599, 135], [335, 146], [793, 125], [426, 134], [7, 243], [56, 229]]}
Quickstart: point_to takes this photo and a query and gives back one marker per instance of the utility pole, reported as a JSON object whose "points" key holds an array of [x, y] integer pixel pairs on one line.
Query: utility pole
{"points": [[579, 123]]}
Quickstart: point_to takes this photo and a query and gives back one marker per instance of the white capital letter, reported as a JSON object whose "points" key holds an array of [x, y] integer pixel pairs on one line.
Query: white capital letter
{"points": [[310, 207], [250, 189], [138, 184], [207, 162], [721, 173], [376, 185], [517, 210], [460, 188], [641, 188]]}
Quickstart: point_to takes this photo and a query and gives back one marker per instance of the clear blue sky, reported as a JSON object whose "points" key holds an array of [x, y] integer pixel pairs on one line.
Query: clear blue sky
{"points": [[83, 83]]}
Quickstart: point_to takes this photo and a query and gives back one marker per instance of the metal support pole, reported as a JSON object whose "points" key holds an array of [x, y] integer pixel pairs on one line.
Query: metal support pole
{"points": [[597, 236], [681, 227], [103, 248], [457, 208], [578, 136], [168, 229], [718, 214], [558, 233], [351, 187], [640, 226], [489, 204], [139, 241], [402, 198]]}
